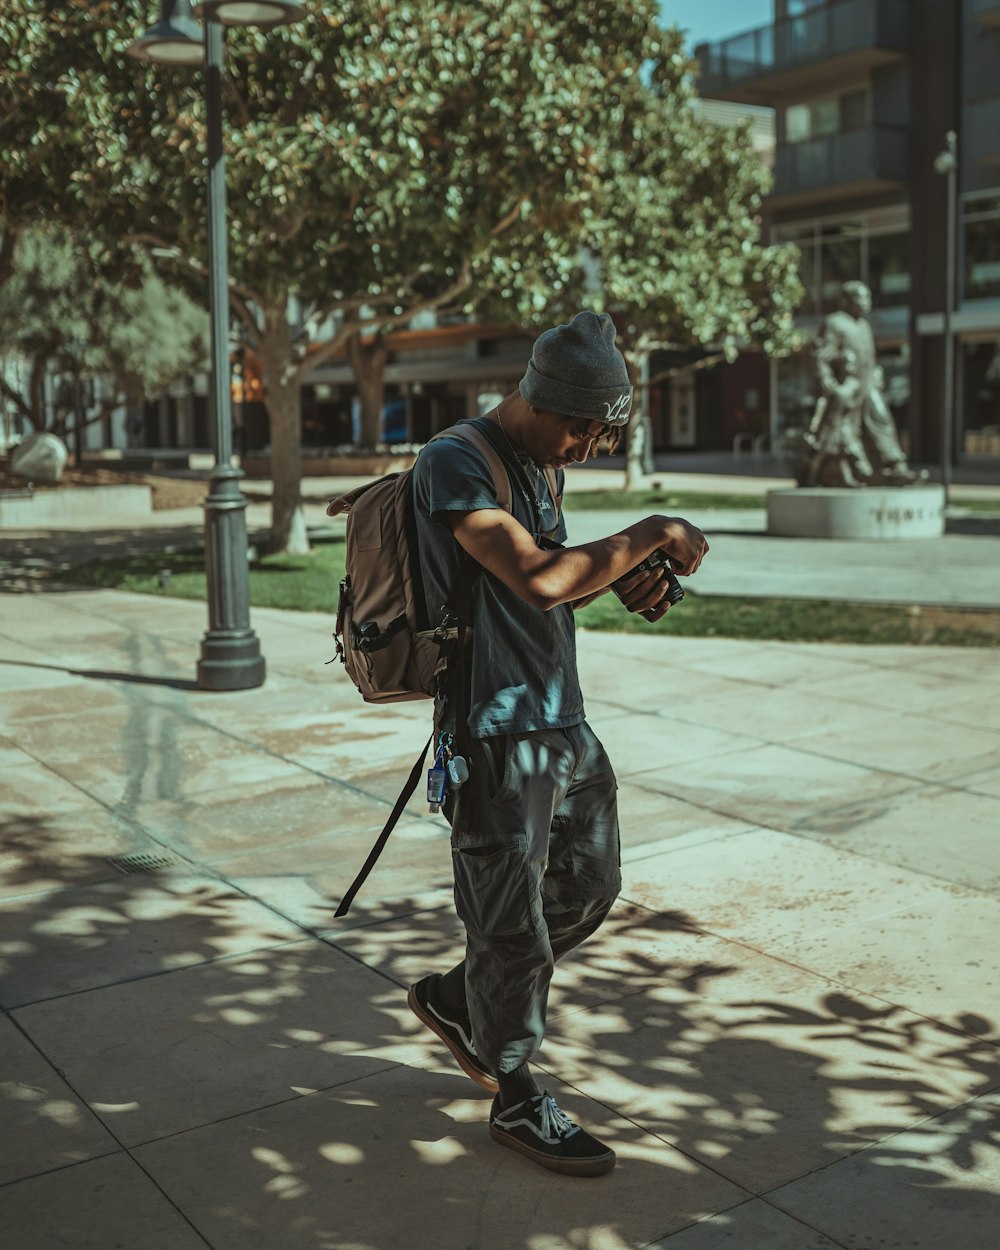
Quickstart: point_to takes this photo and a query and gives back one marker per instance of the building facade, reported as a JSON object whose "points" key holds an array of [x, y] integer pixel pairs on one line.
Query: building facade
{"points": [[864, 94]]}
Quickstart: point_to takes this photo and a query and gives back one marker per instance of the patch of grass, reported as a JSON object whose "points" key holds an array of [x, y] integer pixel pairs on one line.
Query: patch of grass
{"points": [[655, 500], [803, 620], [978, 505], [310, 584], [301, 583]]}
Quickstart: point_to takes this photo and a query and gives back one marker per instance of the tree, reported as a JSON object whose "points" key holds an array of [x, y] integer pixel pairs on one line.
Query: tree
{"points": [[379, 158], [670, 242], [678, 242], [120, 323], [400, 155]]}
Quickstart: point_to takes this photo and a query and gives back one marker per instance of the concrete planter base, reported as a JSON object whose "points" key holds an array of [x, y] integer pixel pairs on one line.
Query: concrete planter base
{"points": [[75, 503], [883, 512]]}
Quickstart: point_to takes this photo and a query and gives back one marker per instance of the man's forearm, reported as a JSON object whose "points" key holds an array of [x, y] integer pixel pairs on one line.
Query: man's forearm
{"points": [[584, 572], [546, 579]]}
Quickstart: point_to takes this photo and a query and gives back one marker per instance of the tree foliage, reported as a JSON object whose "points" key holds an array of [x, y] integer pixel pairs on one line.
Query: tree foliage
{"points": [[119, 322], [388, 156]]}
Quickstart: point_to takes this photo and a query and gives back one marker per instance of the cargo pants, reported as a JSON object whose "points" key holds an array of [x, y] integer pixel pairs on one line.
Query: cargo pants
{"points": [[537, 867]]}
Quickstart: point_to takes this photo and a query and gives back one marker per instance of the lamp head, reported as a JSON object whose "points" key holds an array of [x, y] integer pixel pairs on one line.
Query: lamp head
{"points": [[251, 12], [176, 39]]}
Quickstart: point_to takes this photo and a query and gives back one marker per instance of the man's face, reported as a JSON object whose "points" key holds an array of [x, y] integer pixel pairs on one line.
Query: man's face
{"points": [[554, 441], [859, 299]]}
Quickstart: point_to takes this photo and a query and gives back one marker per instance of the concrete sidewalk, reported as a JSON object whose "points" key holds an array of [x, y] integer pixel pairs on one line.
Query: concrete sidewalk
{"points": [[789, 1029]]}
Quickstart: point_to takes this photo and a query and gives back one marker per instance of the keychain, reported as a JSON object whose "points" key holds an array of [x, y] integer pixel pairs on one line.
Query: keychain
{"points": [[437, 780], [447, 771]]}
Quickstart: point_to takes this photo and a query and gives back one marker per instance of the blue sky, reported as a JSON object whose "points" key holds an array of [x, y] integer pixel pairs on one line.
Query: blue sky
{"points": [[710, 20]]}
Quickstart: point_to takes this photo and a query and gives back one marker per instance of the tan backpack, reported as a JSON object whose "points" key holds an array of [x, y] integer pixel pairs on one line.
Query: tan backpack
{"points": [[391, 651]]}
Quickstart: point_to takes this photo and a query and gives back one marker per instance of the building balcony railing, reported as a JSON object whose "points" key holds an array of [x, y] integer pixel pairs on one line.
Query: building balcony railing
{"points": [[824, 44], [869, 160], [987, 11], [981, 131]]}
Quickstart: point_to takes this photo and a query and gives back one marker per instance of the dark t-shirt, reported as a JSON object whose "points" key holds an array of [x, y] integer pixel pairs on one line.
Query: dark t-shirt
{"points": [[523, 659]]}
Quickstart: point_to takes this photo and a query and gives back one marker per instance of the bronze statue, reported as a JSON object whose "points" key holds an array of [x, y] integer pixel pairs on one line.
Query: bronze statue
{"points": [[851, 440]]}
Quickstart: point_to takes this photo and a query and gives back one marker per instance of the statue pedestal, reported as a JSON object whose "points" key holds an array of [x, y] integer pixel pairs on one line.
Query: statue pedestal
{"points": [[884, 512]]}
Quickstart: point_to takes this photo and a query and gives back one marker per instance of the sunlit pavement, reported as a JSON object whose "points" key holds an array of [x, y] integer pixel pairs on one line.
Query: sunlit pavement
{"points": [[788, 1030]]}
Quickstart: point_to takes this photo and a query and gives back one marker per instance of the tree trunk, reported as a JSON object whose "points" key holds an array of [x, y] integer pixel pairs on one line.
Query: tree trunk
{"points": [[639, 428], [36, 391], [368, 366], [282, 397], [8, 244]]}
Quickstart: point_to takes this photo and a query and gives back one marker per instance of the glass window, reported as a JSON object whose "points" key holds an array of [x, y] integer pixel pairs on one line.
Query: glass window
{"points": [[826, 116], [803, 235], [797, 394], [980, 364], [854, 109], [812, 119], [797, 123], [839, 261], [895, 365], [981, 247], [889, 269]]}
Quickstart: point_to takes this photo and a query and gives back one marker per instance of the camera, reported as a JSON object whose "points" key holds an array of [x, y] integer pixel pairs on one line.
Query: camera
{"points": [[674, 591], [660, 560]]}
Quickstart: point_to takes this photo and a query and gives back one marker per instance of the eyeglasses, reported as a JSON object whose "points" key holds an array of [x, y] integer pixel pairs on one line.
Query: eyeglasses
{"points": [[585, 430]]}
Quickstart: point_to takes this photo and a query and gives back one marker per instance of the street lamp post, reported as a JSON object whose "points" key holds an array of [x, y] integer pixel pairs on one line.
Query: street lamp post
{"points": [[230, 651], [946, 162]]}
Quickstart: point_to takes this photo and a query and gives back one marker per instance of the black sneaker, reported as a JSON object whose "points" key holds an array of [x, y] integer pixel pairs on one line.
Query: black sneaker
{"points": [[455, 1033], [539, 1129]]}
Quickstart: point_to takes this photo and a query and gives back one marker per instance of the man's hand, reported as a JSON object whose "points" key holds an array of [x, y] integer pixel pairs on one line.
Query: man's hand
{"points": [[643, 592], [684, 543], [685, 546]]}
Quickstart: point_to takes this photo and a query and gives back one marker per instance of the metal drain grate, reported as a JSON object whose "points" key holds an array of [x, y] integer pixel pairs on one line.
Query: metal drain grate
{"points": [[143, 861]]}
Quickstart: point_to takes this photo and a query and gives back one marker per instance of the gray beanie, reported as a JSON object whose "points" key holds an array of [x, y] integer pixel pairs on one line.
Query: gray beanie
{"points": [[578, 371]]}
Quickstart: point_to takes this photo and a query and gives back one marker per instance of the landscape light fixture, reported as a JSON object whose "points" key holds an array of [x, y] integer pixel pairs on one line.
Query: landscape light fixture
{"points": [[251, 12], [946, 164], [176, 39], [230, 651]]}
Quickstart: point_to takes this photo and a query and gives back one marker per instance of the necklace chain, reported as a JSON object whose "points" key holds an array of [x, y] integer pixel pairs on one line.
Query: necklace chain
{"points": [[532, 486]]}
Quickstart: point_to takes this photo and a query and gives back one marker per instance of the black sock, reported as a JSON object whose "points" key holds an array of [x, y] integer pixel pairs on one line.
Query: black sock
{"points": [[450, 991], [516, 1086]]}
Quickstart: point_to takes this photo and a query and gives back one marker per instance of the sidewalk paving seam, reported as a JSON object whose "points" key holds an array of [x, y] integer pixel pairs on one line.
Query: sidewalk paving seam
{"points": [[965, 1102], [110, 1154], [758, 823], [821, 976], [162, 972], [663, 1243]]}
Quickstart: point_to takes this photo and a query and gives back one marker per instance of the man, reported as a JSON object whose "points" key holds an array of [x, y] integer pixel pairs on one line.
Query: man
{"points": [[534, 829]]}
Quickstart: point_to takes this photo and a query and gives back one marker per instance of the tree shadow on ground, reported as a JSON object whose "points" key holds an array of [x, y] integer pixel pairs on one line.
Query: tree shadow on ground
{"points": [[271, 1081], [268, 1080]]}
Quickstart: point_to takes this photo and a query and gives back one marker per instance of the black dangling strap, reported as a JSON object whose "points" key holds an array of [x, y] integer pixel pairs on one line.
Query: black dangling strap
{"points": [[404, 797]]}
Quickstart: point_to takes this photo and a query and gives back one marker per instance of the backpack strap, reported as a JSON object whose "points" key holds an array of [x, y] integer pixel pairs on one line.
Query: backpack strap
{"points": [[501, 478], [383, 837], [501, 474]]}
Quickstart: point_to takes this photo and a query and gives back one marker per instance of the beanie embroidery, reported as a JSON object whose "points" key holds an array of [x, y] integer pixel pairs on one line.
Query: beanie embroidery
{"points": [[620, 411]]}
